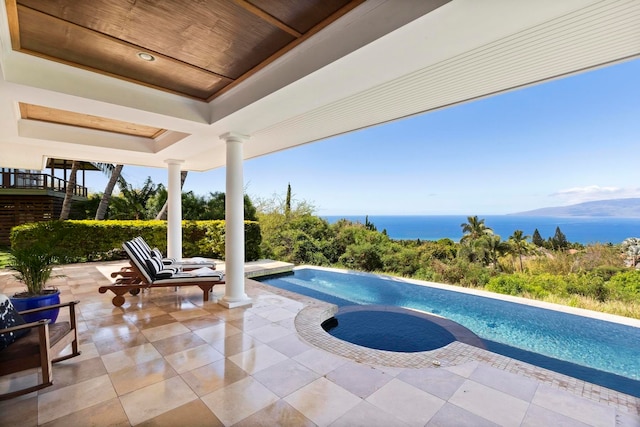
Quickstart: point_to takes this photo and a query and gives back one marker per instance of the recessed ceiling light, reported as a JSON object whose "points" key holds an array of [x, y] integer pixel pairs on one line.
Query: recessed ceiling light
{"points": [[146, 56]]}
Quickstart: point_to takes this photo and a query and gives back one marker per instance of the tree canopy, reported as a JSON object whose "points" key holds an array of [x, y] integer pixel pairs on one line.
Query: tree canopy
{"points": [[147, 202], [291, 232], [474, 229]]}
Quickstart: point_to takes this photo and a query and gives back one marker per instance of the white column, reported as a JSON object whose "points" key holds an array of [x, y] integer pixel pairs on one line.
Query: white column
{"points": [[174, 210], [234, 295]]}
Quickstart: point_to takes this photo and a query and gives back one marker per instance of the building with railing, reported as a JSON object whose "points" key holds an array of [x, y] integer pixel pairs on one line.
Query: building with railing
{"points": [[32, 196]]}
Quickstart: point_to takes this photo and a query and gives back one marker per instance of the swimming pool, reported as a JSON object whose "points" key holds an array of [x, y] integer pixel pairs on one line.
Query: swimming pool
{"points": [[594, 350]]}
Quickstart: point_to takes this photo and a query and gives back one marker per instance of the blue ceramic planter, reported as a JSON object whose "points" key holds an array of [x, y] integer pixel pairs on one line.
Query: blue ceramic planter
{"points": [[28, 303]]}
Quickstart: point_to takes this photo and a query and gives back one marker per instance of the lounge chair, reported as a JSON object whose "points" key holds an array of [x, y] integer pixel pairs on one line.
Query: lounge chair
{"points": [[34, 345], [130, 275], [150, 272], [184, 264]]}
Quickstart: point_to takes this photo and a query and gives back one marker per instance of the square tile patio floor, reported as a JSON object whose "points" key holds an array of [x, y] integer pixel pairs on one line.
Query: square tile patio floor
{"points": [[165, 358]]}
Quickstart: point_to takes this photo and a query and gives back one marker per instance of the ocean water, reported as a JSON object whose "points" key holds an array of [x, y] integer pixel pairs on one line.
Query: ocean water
{"points": [[583, 230]]}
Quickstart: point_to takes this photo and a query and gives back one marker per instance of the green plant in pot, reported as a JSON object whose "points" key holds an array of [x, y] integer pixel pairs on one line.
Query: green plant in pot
{"points": [[34, 266]]}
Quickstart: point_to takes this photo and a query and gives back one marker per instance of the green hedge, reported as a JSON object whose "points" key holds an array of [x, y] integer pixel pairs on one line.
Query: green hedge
{"points": [[74, 241]]}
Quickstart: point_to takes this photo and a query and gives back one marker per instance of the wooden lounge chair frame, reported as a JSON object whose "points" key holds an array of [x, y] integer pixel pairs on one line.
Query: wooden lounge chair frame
{"points": [[41, 348], [137, 277]]}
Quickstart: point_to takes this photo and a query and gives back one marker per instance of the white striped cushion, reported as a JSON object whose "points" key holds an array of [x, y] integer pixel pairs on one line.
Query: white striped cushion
{"points": [[158, 270]]}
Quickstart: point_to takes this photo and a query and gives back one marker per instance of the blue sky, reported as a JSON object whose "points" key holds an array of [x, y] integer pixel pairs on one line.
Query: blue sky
{"points": [[566, 141]]}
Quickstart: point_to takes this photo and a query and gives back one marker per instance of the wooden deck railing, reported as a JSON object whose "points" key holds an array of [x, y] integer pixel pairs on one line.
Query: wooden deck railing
{"points": [[38, 181]]}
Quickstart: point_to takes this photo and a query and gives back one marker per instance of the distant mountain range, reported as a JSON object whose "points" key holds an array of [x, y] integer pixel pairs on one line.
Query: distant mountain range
{"points": [[627, 208]]}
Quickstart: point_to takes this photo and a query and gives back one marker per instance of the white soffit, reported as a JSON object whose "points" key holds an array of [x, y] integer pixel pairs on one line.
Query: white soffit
{"points": [[596, 34], [463, 50]]}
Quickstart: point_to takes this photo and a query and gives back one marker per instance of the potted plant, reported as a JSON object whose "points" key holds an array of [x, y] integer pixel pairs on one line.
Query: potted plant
{"points": [[34, 265]]}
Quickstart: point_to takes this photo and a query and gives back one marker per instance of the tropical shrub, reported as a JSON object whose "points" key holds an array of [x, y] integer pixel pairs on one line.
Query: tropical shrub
{"points": [[401, 260], [514, 284], [461, 272], [443, 249], [607, 272], [363, 256], [520, 284], [303, 248], [625, 286], [541, 285], [294, 235], [558, 262], [475, 275], [598, 256], [426, 273], [588, 285]]}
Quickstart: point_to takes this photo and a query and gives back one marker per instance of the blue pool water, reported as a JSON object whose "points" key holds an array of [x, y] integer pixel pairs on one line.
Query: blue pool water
{"points": [[597, 351], [388, 330]]}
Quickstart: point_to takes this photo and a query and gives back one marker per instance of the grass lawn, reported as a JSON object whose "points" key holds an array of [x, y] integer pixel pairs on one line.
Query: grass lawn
{"points": [[4, 256]]}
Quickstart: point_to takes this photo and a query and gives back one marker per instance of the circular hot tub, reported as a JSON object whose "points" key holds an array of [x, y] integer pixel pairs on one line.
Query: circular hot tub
{"points": [[392, 328]]}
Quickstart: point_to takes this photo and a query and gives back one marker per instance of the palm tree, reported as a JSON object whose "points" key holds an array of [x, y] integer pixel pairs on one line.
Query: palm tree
{"points": [[69, 189], [519, 245], [474, 229], [115, 174], [494, 247], [132, 203]]}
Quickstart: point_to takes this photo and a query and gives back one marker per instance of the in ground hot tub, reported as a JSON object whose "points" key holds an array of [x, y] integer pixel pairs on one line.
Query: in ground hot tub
{"points": [[396, 329]]}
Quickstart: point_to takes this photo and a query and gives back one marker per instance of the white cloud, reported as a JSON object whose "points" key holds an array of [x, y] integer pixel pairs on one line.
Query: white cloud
{"points": [[595, 192]]}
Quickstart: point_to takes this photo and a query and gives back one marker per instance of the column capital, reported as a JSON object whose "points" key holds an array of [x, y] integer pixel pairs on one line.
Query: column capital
{"points": [[234, 136], [174, 161]]}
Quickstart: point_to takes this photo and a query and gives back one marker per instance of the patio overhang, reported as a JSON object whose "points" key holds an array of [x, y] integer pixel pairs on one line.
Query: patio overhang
{"points": [[373, 62], [211, 84]]}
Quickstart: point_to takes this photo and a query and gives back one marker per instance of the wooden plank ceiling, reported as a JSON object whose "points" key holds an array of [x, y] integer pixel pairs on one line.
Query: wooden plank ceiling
{"points": [[70, 118], [198, 49]]}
